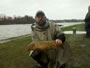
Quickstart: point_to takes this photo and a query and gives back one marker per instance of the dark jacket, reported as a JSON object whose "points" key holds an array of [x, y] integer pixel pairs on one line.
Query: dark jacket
{"points": [[87, 18]]}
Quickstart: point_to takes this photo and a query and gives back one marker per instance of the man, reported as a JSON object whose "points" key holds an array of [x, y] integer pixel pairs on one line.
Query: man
{"points": [[45, 30], [87, 23]]}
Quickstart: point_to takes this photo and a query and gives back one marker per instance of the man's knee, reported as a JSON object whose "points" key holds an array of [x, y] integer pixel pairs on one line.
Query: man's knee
{"points": [[40, 58]]}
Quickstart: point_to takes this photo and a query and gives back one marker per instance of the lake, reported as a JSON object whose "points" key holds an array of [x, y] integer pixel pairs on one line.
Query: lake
{"points": [[9, 31]]}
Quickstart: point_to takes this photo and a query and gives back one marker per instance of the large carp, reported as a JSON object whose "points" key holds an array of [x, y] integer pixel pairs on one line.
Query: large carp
{"points": [[42, 45]]}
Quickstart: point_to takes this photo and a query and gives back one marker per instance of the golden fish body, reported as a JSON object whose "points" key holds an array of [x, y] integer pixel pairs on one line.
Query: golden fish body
{"points": [[42, 45]]}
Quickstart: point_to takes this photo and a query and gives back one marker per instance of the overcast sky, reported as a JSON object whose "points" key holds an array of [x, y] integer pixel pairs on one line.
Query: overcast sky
{"points": [[54, 9]]}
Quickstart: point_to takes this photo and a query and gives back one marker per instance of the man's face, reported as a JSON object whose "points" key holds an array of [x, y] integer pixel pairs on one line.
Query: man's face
{"points": [[40, 19]]}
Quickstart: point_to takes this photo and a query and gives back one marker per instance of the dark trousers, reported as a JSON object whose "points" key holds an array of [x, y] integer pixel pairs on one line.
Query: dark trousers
{"points": [[42, 59], [87, 28], [63, 66]]}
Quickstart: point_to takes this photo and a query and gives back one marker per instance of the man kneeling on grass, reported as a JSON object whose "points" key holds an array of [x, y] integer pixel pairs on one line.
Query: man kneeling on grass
{"points": [[45, 30]]}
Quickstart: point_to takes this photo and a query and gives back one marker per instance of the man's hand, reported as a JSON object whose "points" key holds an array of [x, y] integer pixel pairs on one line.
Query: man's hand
{"points": [[58, 42]]}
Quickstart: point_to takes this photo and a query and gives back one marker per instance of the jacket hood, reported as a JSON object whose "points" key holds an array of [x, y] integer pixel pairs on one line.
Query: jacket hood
{"points": [[40, 28]]}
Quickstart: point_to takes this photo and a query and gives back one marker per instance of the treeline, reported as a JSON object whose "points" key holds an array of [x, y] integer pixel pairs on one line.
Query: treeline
{"points": [[4, 20], [69, 20]]}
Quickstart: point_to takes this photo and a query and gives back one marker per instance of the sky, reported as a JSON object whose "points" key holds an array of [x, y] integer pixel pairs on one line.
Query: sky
{"points": [[53, 9]]}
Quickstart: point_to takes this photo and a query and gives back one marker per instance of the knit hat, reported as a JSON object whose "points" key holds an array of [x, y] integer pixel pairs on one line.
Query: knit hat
{"points": [[39, 13]]}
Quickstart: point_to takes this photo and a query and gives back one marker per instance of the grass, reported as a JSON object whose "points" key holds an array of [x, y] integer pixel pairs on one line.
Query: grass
{"points": [[80, 46], [14, 55], [79, 27]]}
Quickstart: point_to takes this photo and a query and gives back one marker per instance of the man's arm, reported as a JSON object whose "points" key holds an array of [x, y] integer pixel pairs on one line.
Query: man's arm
{"points": [[59, 35]]}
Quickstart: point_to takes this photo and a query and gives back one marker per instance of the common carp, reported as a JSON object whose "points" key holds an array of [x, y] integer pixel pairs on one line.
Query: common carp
{"points": [[42, 45]]}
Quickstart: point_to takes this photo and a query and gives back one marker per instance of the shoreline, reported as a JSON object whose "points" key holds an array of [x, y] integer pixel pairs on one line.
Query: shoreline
{"points": [[28, 34], [13, 38]]}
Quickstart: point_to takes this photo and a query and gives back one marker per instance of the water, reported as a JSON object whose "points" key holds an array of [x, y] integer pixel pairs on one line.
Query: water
{"points": [[9, 31]]}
